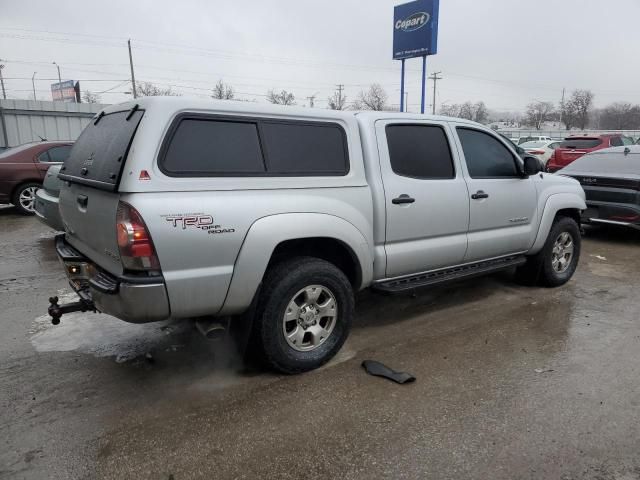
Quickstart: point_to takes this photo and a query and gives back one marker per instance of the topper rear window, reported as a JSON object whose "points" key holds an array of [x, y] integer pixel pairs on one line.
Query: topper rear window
{"points": [[98, 156]]}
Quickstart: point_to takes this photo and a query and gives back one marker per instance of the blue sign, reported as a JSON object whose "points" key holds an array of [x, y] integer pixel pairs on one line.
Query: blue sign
{"points": [[415, 29]]}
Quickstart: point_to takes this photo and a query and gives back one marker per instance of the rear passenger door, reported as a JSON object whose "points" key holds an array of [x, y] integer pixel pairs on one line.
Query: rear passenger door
{"points": [[426, 198], [502, 203]]}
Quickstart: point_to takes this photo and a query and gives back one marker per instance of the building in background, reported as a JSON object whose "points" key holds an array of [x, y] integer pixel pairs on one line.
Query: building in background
{"points": [[24, 121]]}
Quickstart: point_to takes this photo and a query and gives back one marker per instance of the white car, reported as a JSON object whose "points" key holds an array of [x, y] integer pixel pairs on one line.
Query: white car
{"points": [[541, 149], [533, 138]]}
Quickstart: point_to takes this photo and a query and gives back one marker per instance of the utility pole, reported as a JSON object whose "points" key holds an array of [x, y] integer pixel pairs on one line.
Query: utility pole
{"points": [[435, 79], [311, 99], [340, 88], [4, 94], [561, 108], [33, 84], [133, 77]]}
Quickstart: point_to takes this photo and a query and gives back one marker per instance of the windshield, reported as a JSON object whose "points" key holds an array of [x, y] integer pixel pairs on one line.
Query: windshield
{"points": [[533, 144], [606, 163]]}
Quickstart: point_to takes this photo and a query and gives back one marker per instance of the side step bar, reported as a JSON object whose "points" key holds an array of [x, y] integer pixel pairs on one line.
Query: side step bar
{"points": [[436, 277]]}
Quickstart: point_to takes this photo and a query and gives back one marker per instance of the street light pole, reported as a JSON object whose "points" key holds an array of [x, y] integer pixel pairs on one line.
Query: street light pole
{"points": [[4, 94], [59, 82], [33, 84]]}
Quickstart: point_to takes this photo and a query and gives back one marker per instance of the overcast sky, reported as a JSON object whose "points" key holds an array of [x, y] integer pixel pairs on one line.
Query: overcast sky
{"points": [[504, 52]]}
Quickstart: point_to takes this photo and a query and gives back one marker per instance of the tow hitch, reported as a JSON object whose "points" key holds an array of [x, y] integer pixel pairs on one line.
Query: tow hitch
{"points": [[85, 304]]}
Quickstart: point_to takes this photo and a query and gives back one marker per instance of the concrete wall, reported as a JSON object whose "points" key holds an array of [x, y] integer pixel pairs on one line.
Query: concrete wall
{"points": [[23, 121]]}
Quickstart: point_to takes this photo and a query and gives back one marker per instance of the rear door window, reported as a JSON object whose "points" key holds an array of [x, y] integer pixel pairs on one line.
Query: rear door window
{"points": [[98, 156], [58, 154], [486, 156], [616, 142], [419, 151]]}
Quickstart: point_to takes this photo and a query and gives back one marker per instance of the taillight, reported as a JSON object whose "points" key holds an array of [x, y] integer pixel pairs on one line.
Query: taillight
{"points": [[134, 241], [536, 152]]}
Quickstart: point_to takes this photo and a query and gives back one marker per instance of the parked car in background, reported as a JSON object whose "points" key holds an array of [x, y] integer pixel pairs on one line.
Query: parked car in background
{"points": [[572, 148], [46, 207], [23, 169], [542, 149], [610, 179], [533, 138]]}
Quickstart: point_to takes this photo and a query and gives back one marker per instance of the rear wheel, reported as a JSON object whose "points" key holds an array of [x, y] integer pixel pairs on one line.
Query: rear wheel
{"points": [[556, 263], [304, 314], [24, 198]]}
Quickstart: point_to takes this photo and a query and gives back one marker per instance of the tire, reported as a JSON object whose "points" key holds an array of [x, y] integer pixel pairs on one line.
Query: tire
{"points": [[24, 198], [289, 288], [551, 267]]}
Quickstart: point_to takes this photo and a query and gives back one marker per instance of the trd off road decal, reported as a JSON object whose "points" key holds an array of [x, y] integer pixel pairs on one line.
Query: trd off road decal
{"points": [[200, 221]]}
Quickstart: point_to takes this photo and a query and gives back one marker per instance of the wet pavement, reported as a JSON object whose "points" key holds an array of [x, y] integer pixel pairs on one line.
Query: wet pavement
{"points": [[512, 383]]}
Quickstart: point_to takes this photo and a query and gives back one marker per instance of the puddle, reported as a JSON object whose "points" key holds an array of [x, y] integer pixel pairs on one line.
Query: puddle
{"points": [[607, 270], [102, 335]]}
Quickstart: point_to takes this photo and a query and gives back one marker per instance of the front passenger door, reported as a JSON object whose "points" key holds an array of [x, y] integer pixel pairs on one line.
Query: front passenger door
{"points": [[502, 203]]}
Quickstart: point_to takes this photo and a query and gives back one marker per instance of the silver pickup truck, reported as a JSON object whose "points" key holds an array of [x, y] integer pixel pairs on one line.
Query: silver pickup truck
{"points": [[186, 208]]}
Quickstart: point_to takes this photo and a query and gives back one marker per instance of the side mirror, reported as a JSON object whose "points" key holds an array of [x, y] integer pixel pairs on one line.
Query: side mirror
{"points": [[532, 165]]}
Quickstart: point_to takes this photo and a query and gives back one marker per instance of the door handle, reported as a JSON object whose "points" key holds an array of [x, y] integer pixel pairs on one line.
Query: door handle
{"points": [[83, 200], [479, 194], [404, 198]]}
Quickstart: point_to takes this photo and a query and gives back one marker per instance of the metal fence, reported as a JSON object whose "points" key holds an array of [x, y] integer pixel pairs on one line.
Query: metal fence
{"points": [[560, 134], [23, 121]]}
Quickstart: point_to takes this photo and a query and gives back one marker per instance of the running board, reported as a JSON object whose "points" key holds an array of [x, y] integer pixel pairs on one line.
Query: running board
{"points": [[444, 275]]}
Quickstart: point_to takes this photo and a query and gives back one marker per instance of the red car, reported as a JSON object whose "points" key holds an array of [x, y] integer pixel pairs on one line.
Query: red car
{"points": [[574, 147], [23, 168]]}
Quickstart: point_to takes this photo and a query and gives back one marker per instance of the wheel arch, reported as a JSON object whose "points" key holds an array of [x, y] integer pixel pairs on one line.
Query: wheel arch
{"points": [[280, 236], [559, 204]]}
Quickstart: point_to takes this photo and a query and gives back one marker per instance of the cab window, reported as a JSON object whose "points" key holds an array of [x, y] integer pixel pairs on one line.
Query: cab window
{"points": [[486, 156]]}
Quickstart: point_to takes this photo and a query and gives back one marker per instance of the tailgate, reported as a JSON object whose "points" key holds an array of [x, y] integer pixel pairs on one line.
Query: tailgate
{"points": [[565, 156], [89, 218], [89, 199]]}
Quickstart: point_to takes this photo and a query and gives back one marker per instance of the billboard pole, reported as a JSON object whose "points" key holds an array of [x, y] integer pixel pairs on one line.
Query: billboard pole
{"points": [[424, 74], [402, 87]]}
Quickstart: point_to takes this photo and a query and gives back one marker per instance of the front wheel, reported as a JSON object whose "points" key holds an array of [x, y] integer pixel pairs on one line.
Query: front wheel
{"points": [[304, 314], [556, 263]]}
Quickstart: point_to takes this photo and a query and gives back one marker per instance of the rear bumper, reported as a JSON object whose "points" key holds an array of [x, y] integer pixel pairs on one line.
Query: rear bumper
{"points": [[47, 211], [612, 214], [132, 299]]}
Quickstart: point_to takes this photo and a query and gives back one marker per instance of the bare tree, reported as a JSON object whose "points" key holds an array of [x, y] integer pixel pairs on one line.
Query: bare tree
{"points": [[480, 114], [620, 116], [148, 89], [282, 98], [90, 97], [337, 101], [223, 91], [476, 112], [569, 114], [537, 113], [582, 101], [373, 99], [452, 110]]}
